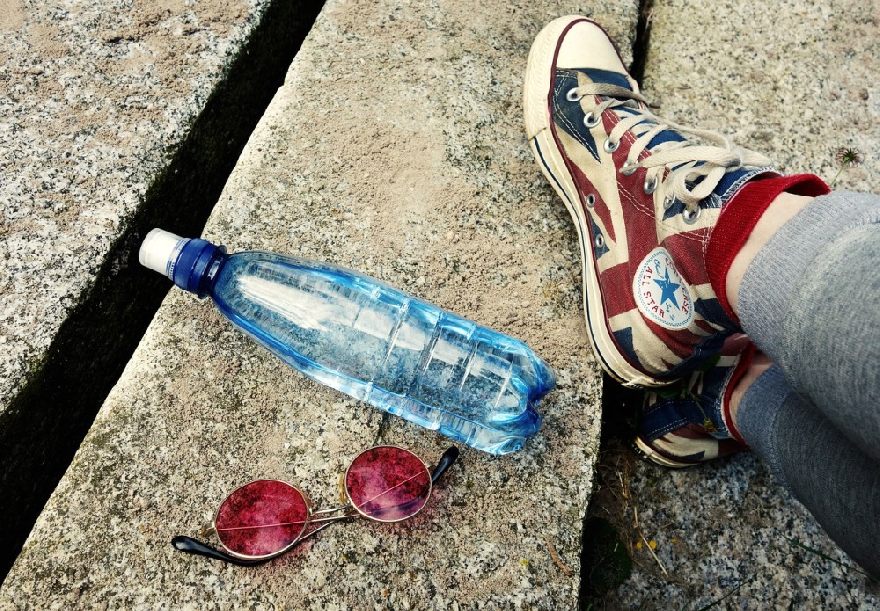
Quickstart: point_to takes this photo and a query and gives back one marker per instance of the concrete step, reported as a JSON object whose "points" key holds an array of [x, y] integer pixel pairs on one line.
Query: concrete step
{"points": [[114, 117], [396, 147], [796, 80]]}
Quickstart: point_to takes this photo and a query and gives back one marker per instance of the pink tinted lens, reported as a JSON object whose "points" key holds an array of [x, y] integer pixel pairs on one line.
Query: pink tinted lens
{"points": [[388, 483], [261, 518]]}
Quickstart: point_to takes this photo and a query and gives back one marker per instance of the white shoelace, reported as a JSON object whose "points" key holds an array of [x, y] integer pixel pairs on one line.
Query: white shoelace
{"points": [[681, 157]]}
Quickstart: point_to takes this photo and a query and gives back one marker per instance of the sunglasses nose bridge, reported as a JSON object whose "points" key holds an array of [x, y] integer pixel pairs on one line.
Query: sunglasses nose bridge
{"points": [[333, 514]]}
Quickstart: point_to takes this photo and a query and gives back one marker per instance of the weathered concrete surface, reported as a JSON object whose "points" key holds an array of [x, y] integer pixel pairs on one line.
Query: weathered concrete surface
{"points": [[797, 80], [396, 147], [94, 98], [728, 529], [114, 116]]}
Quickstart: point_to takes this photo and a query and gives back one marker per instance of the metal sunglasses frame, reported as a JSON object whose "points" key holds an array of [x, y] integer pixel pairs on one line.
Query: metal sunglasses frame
{"points": [[324, 517]]}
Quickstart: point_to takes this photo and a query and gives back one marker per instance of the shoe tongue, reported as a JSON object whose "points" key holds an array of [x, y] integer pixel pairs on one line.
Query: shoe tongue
{"points": [[732, 180], [597, 75], [727, 187], [667, 135]]}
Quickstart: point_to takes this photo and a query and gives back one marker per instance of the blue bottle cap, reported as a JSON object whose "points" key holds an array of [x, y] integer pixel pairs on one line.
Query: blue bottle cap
{"points": [[188, 262]]}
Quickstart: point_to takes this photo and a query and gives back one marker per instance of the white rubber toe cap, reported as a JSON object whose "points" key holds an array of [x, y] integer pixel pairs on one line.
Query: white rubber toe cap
{"points": [[586, 45], [582, 43]]}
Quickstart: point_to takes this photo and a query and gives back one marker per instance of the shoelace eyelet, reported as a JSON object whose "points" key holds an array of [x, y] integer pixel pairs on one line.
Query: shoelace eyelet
{"points": [[591, 200], [592, 120], [627, 169], [599, 241], [667, 202], [650, 185], [690, 216], [573, 95], [610, 146]]}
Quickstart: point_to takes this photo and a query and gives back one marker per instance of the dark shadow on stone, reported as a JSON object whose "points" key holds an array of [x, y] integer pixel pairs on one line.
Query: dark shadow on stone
{"points": [[619, 406], [605, 562], [48, 419], [641, 41], [605, 545]]}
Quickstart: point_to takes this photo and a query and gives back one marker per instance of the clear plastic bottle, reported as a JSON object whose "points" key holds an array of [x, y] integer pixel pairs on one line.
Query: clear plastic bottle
{"points": [[369, 340]]}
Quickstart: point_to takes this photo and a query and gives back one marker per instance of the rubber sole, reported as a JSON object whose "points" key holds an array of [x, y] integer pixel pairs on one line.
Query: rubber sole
{"points": [[646, 452]]}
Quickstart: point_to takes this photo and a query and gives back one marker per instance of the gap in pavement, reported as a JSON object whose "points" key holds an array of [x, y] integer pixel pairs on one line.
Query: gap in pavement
{"points": [[641, 41], [606, 538], [46, 423]]}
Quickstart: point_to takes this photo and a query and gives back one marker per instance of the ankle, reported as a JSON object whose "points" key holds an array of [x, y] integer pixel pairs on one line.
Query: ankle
{"points": [[739, 219], [782, 209], [760, 363]]}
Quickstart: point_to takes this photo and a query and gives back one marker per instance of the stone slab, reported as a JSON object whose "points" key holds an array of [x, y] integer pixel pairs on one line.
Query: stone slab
{"points": [[94, 99], [796, 80], [114, 116], [395, 147]]}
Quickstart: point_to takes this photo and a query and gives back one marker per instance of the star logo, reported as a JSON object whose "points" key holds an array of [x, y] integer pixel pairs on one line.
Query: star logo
{"points": [[667, 289], [661, 294]]}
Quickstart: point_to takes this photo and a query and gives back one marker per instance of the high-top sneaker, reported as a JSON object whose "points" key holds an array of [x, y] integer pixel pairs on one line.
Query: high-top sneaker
{"points": [[689, 422], [644, 194]]}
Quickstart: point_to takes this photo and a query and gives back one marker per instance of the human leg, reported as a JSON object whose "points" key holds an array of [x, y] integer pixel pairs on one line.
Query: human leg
{"points": [[810, 298], [829, 475], [748, 398], [647, 202]]}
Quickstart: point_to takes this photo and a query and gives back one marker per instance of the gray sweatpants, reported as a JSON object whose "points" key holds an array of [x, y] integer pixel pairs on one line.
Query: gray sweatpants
{"points": [[811, 301]]}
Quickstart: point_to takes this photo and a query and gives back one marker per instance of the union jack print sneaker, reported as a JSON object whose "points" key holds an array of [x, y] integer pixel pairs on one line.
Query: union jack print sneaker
{"points": [[644, 194], [689, 423]]}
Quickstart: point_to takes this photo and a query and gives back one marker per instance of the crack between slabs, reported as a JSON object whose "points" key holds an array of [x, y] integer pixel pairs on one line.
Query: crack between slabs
{"points": [[642, 40]]}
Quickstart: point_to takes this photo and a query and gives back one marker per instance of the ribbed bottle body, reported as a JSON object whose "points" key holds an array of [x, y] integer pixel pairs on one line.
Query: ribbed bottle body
{"points": [[378, 344]]}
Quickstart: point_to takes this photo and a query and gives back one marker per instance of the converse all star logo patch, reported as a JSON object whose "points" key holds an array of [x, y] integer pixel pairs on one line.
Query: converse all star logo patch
{"points": [[661, 294]]}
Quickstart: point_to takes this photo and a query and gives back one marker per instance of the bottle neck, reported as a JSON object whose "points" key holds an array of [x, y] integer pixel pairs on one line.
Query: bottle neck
{"points": [[196, 266]]}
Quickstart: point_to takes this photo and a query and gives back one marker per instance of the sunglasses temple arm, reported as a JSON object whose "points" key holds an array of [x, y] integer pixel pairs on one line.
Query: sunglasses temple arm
{"points": [[446, 461], [188, 545]]}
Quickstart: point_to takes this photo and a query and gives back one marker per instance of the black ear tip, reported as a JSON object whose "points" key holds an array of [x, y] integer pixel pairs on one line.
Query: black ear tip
{"points": [[187, 544], [446, 461]]}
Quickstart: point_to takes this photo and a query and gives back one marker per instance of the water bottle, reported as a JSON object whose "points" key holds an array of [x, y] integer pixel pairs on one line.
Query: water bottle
{"points": [[368, 340]]}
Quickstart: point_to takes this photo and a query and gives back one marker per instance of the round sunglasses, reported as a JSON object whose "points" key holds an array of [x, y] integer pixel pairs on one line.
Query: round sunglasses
{"points": [[268, 517]]}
